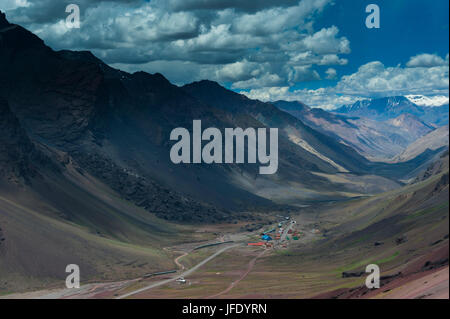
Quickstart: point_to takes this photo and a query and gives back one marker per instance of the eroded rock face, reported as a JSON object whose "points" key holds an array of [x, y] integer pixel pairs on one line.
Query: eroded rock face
{"points": [[53, 99], [21, 160], [147, 194], [17, 152]]}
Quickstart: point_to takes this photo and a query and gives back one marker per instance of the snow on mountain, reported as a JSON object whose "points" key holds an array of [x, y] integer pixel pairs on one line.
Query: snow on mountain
{"points": [[430, 101]]}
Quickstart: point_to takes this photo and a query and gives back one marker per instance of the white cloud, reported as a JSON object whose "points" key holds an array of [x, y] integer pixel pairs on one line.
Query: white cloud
{"points": [[266, 80], [239, 71], [426, 60], [326, 42], [374, 79], [331, 74], [302, 73], [276, 20], [268, 93], [325, 98], [332, 59]]}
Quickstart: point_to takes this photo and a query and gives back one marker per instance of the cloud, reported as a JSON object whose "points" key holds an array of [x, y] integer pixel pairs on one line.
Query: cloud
{"points": [[326, 42], [332, 59], [257, 46], [371, 80], [325, 98], [266, 80], [13, 4], [246, 6], [331, 74], [303, 74], [260, 43], [275, 20], [268, 94], [239, 71], [374, 79], [426, 60], [29, 12]]}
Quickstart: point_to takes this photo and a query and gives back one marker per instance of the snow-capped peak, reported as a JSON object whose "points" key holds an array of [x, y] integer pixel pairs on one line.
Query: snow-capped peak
{"points": [[430, 101]]}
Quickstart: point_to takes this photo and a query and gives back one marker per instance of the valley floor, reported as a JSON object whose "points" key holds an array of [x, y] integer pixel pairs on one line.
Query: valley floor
{"points": [[321, 252]]}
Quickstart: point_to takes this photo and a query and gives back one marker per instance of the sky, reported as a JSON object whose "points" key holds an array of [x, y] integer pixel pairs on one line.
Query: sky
{"points": [[319, 52]]}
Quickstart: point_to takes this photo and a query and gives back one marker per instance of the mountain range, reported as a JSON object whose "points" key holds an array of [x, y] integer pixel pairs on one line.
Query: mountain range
{"points": [[85, 164], [116, 126], [383, 109], [375, 139]]}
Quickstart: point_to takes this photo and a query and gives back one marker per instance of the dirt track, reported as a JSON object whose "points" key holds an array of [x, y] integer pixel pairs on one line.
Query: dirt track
{"points": [[177, 261], [185, 274], [234, 283]]}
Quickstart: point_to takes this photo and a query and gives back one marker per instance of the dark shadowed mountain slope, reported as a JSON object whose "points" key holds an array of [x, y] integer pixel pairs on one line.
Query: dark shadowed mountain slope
{"points": [[20, 160], [322, 147], [373, 139], [387, 108], [76, 104]]}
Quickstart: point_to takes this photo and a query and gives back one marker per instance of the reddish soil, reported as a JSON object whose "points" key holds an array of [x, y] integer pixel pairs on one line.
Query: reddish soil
{"points": [[425, 277]]}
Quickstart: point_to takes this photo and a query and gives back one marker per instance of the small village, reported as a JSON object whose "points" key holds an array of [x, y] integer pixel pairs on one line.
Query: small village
{"points": [[281, 236]]}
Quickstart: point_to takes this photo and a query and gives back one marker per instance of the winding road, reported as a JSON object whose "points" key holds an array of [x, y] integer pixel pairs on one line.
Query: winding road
{"points": [[177, 261], [185, 274]]}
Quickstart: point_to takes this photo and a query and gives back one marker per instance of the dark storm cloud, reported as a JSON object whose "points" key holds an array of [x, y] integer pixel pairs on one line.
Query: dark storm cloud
{"points": [[48, 11], [265, 47], [250, 43], [239, 5]]}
